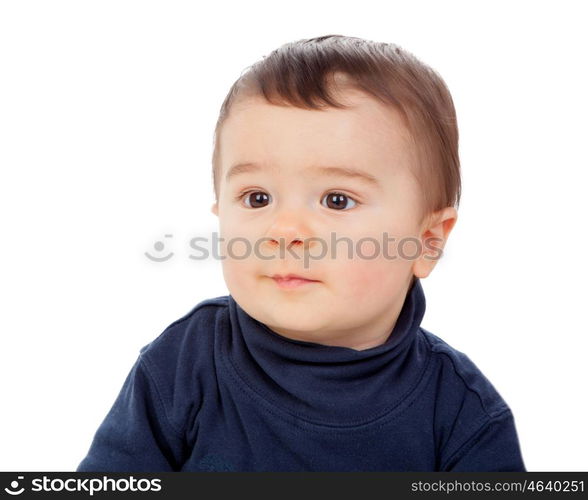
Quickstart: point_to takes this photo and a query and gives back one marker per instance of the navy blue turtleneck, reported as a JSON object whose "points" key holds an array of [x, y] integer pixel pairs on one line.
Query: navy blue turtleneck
{"points": [[220, 391]]}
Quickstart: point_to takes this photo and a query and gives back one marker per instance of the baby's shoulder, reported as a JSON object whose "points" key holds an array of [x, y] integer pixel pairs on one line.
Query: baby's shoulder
{"points": [[459, 378], [189, 336], [180, 361]]}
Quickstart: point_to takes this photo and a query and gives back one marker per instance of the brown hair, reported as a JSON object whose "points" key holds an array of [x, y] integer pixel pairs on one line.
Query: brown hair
{"points": [[301, 74]]}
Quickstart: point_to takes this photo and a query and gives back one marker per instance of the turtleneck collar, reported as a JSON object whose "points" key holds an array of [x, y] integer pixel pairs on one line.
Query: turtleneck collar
{"points": [[329, 385]]}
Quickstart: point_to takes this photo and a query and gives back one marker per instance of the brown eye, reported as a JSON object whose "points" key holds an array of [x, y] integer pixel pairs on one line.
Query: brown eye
{"points": [[256, 199], [338, 201]]}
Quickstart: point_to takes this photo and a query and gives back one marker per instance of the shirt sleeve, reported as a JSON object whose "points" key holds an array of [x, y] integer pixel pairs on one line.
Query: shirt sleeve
{"points": [[136, 434], [493, 448]]}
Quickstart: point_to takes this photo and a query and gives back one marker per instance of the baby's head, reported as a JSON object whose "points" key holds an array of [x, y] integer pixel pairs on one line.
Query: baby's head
{"points": [[335, 159]]}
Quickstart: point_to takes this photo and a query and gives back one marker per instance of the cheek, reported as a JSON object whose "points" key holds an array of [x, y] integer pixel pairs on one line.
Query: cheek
{"points": [[236, 270], [363, 280], [232, 250], [236, 241]]}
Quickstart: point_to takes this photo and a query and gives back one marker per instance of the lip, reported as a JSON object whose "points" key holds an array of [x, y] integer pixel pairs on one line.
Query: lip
{"points": [[290, 281]]}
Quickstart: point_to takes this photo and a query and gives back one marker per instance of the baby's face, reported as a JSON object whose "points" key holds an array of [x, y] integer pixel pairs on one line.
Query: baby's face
{"points": [[294, 200]]}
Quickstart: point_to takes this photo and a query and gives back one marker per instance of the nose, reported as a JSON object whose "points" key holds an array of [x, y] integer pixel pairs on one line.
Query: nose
{"points": [[290, 229]]}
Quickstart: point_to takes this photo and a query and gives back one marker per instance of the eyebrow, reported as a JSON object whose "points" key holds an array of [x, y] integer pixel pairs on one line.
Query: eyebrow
{"points": [[326, 171]]}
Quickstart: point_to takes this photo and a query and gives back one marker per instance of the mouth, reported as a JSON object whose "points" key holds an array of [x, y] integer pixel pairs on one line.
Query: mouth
{"points": [[290, 281]]}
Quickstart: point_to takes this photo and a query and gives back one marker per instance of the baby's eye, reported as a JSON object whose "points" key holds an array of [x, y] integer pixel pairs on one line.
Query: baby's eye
{"points": [[256, 199], [338, 201]]}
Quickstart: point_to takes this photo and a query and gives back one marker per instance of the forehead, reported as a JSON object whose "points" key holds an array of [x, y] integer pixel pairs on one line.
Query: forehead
{"points": [[368, 135]]}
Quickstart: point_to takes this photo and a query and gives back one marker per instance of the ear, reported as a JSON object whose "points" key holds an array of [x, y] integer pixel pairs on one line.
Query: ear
{"points": [[214, 208], [434, 234]]}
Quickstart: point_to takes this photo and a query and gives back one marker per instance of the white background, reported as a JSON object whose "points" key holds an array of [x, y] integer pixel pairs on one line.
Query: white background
{"points": [[106, 117]]}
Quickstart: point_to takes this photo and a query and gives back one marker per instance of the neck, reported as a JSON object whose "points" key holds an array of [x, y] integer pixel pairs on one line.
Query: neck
{"points": [[317, 381]]}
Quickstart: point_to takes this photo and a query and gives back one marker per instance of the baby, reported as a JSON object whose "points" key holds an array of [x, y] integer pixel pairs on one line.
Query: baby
{"points": [[336, 178]]}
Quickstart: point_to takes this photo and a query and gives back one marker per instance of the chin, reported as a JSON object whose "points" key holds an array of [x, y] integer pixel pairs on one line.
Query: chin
{"points": [[298, 325]]}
